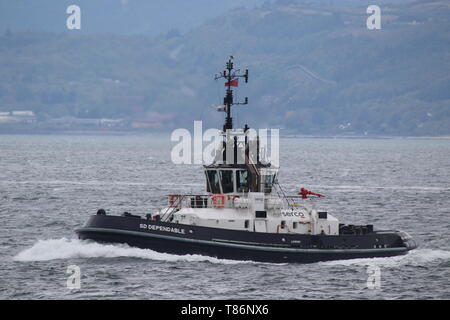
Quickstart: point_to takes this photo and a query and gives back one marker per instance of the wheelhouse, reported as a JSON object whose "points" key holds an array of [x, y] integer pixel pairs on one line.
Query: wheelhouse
{"points": [[238, 180]]}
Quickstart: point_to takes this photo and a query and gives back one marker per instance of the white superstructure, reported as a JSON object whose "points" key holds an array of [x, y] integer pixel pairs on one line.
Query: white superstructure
{"points": [[242, 192]]}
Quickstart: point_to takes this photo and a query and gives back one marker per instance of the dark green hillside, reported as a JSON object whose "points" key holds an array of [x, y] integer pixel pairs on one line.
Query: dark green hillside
{"points": [[315, 69]]}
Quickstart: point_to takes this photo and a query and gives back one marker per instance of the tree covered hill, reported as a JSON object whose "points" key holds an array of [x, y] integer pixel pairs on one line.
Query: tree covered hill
{"points": [[315, 68]]}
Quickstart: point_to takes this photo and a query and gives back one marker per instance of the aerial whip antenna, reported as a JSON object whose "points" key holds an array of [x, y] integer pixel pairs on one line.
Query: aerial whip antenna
{"points": [[232, 80]]}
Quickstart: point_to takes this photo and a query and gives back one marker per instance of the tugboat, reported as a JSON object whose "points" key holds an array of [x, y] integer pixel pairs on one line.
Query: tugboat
{"points": [[245, 214]]}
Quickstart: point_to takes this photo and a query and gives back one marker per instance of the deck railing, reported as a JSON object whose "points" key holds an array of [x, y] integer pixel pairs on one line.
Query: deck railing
{"points": [[178, 201]]}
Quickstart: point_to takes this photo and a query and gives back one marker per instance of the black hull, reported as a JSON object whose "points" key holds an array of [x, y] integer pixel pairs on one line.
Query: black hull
{"points": [[240, 245]]}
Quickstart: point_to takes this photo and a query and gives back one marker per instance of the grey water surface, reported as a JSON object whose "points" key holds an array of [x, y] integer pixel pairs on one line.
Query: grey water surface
{"points": [[50, 184]]}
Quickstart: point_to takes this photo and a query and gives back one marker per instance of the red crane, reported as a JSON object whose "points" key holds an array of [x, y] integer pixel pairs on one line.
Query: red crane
{"points": [[304, 193]]}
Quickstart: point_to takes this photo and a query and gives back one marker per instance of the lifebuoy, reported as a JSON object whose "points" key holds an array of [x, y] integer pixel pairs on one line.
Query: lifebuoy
{"points": [[173, 200], [218, 200]]}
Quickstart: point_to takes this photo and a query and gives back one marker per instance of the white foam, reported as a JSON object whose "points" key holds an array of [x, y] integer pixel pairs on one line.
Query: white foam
{"points": [[417, 257], [53, 249]]}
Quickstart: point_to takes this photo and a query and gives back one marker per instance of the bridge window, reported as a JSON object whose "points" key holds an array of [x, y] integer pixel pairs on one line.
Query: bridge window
{"points": [[212, 182], [268, 182], [226, 176], [242, 180]]}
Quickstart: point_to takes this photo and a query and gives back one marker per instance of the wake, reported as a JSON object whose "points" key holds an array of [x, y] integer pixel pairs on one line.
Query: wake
{"points": [[54, 249], [416, 257], [60, 249]]}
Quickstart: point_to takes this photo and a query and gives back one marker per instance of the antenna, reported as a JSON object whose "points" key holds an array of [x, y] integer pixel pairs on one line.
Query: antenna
{"points": [[232, 80]]}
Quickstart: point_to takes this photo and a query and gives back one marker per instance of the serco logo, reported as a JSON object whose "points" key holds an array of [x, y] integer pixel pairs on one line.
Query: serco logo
{"points": [[293, 214]]}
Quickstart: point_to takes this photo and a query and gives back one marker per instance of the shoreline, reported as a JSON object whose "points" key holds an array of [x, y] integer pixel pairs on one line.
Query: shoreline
{"points": [[164, 133]]}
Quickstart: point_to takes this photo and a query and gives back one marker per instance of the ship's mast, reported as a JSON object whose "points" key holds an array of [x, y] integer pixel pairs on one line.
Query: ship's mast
{"points": [[230, 138], [231, 77]]}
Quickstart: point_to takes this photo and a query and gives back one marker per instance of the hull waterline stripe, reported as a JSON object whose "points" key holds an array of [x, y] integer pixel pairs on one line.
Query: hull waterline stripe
{"points": [[239, 246]]}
